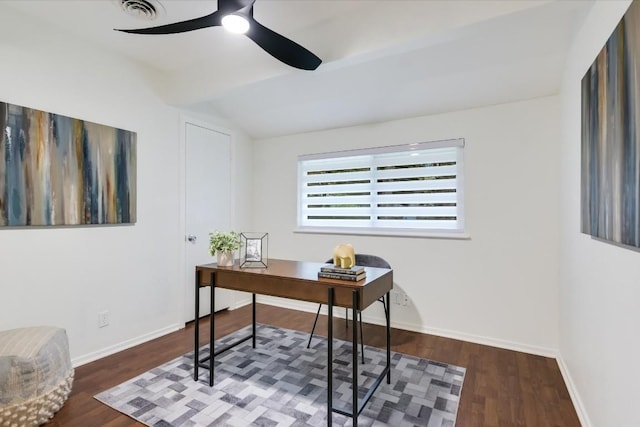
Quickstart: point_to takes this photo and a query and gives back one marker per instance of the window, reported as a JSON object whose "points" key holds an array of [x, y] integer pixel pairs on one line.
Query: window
{"points": [[403, 189]]}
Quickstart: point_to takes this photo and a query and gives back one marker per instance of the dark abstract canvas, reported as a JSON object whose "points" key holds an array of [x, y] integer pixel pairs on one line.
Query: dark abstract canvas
{"points": [[611, 137], [56, 170]]}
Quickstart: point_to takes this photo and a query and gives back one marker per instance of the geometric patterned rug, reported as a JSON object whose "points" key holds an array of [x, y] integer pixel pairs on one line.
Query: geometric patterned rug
{"points": [[282, 383]]}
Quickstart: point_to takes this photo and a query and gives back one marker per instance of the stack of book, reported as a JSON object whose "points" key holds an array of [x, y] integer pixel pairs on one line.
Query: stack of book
{"points": [[330, 271]]}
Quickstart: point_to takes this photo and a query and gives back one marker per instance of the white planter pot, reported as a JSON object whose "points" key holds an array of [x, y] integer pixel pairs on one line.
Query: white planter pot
{"points": [[225, 259]]}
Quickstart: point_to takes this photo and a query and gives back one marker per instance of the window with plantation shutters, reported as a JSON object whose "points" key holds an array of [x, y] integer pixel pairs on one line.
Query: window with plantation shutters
{"points": [[403, 188]]}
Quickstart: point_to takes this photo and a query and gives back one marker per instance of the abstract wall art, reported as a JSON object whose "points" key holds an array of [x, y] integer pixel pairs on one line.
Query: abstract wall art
{"points": [[610, 170], [56, 170]]}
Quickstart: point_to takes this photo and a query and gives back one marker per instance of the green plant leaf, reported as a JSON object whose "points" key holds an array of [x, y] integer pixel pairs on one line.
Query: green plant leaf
{"points": [[223, 242]]}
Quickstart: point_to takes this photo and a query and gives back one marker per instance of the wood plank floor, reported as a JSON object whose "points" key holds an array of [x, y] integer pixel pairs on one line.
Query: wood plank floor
{"points": [[501, 387]]}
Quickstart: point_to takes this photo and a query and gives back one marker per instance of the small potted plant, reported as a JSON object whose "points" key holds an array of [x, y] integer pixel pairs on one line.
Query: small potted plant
{"points": [[224, 245]]}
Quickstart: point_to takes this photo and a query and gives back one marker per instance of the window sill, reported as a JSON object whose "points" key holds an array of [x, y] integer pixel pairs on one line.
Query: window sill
{"points": [[425, 234]]}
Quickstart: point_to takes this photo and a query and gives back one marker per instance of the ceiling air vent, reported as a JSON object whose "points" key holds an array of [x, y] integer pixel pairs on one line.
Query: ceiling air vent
{"points": [[142, 9]]}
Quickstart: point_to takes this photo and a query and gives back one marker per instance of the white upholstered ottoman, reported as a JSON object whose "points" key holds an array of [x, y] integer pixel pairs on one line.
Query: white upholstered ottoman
{"points": [[35, 375]]}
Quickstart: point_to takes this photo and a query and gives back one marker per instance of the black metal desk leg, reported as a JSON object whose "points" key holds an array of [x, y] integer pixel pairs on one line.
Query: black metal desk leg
{"points": [[388, 316], [354, 383], [196, 340], [253, 331], [330, 357], [212, 327]]}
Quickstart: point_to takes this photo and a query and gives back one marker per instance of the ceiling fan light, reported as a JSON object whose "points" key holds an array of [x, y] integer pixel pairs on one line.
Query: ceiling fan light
{"points": [[235, 24]]}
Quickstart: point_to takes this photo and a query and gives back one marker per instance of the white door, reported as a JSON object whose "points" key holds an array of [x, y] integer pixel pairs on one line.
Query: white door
{"points": [[208, 207]]}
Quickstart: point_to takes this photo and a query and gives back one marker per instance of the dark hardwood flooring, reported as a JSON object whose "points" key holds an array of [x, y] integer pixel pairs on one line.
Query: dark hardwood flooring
{"points": [[501, 387]]}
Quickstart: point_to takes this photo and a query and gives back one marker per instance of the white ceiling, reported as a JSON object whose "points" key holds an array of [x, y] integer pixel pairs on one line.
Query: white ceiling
{"points": [[382, 60]]}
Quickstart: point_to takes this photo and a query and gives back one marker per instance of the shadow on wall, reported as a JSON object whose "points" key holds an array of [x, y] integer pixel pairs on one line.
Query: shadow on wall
{"points": [[404, 311]]}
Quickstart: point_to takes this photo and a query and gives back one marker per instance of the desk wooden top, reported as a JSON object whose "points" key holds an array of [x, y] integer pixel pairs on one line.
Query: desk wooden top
{"points": [[298, 280]]}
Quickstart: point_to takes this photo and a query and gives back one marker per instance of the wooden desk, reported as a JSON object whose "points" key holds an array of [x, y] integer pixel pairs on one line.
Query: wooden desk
{"points": [[299, 280]]}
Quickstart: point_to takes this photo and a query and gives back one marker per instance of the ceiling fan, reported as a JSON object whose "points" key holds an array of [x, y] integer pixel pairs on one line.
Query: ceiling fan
{"points": [[237, 16]]}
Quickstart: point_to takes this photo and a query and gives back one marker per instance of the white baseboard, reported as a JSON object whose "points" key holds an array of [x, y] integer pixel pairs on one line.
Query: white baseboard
{"points": [[573, 393], [478, 339], [81, 360], [240, 303], [288, 303]]}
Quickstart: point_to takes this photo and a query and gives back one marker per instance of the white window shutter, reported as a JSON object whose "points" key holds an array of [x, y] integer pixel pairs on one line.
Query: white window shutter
{"points": [[415, 186]]}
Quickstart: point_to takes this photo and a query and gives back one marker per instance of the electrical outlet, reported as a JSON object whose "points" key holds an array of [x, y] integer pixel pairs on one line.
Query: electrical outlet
{"points": [[405, 299], [103, 319], [396, 297]]}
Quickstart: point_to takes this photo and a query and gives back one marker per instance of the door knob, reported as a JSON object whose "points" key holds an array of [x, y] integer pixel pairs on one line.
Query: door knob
{"points": [[191, 238]]}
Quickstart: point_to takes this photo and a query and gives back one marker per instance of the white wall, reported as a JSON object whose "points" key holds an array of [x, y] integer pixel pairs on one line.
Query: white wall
{"points": [[499, 287], [599, 282], [65, 276]]}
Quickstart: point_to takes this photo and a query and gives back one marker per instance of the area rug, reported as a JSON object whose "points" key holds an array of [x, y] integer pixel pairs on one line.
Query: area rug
{"points": [[282, 383]]}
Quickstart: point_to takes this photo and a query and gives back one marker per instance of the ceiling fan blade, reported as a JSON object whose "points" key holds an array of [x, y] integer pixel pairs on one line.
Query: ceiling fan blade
{"points": [[230, 6], [280, 47], [211, 20]]}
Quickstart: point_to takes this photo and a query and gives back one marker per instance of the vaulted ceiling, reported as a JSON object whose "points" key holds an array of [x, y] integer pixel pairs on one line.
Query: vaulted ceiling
{"points": [[382, 60]]}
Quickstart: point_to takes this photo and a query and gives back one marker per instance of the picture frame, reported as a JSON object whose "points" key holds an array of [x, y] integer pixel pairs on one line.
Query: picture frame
{"points": [[57, 170], [254, 248], [610, 148]]}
